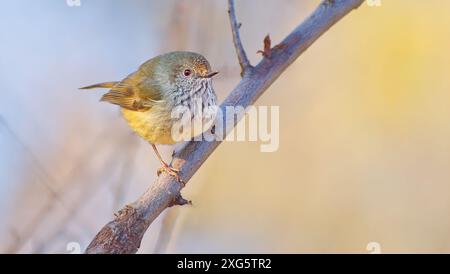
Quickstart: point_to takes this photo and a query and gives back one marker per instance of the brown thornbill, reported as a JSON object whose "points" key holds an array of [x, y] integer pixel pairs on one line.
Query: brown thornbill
{"points": [[148, 96]]}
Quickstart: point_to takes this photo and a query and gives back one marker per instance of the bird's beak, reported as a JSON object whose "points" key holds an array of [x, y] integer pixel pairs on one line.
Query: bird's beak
{"points": [[211, 74]]}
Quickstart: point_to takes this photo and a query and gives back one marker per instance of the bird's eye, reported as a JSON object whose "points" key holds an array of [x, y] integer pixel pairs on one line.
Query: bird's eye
{"points": [[187, 72]]}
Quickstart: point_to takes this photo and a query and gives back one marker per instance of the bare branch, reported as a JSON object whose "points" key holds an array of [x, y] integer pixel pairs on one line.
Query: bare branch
{"points": [[125, 232], [242, 57]]}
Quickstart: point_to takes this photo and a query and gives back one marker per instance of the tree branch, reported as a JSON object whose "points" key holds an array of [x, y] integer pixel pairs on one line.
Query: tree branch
{"points": [[242, 56], [125, 232]]}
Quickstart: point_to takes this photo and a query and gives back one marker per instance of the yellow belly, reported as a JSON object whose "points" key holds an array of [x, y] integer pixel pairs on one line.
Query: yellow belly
{"points": [[153, 125]]}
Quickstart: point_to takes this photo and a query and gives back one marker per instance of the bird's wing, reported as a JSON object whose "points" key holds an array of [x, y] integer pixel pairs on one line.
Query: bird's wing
{"points": [[132, 93]]}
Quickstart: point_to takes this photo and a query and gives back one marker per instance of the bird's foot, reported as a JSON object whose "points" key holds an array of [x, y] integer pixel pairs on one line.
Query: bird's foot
{"points": [[171, 171]]}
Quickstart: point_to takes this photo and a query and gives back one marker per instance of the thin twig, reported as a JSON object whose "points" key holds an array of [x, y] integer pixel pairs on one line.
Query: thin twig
{"points": [[125, 232], [242, 56]]}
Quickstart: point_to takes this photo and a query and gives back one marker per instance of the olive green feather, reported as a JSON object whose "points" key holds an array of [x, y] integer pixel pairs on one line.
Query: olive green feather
{"points": [[136, 92]]}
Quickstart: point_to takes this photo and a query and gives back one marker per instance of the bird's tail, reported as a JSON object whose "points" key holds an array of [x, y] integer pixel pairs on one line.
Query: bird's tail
{"points": [[101, 85]]}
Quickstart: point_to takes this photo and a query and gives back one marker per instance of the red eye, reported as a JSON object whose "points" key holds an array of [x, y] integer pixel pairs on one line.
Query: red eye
{"points": [[187, 72]]}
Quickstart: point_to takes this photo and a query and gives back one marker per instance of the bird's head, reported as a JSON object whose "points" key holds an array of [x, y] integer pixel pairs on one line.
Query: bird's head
{"points": [[188, 70]]}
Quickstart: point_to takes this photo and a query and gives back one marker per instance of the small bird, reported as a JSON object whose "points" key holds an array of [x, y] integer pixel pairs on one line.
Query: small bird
{"points": [[148, 96]]}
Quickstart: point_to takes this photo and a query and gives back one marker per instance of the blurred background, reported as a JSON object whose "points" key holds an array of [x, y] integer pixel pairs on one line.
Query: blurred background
{"points": [[364, 129]]}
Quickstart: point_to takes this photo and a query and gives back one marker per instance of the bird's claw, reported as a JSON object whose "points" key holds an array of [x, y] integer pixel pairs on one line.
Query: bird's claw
{"points": [[171, 171]]}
